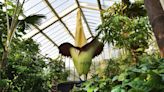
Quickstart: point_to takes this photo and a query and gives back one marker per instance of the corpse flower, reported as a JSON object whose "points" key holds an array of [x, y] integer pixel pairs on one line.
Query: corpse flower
{"points": [[82, 53]]}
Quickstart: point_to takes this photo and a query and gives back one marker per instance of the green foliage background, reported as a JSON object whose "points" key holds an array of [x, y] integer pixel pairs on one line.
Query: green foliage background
{"points": [[26, 69], [126, 26]]}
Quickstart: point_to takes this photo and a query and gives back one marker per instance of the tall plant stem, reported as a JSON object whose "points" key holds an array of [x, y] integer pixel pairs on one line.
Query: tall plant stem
{"points": [[4, 60], [10, 32], [5, 50]]}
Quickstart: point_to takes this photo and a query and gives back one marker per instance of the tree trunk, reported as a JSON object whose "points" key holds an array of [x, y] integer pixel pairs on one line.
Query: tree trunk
{"points": [[4, 60], [134, 57], [54, 86], [156, 16]]}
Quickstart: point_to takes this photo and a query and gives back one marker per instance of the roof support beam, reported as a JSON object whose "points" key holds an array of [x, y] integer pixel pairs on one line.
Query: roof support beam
{"points": [[63, 17], [99, 5], [100, 8], [45, 35], [55, 21], [91, 8], [40, 31], [85, 20], [55, 13]]}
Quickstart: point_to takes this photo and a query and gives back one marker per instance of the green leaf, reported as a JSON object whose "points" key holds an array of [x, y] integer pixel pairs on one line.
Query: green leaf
{"points": [[34, 19], [3, 82], [118, 89], [135, 90], [122, 76], [139, 84]]}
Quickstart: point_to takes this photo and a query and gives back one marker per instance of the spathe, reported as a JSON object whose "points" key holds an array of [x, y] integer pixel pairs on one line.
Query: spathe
{"points": [[64, 48]]}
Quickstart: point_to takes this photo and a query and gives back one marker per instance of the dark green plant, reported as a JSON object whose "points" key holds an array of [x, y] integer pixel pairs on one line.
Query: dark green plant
{"points": [[11, 26], [144, 77], [128, 29], [24, 69], [125, 29], [126, 8], [127, 33], [28, 71], [113, 68], [95, 84]]}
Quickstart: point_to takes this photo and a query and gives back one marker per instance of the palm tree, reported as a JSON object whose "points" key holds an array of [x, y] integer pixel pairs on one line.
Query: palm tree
{"points": [[14, 24]]}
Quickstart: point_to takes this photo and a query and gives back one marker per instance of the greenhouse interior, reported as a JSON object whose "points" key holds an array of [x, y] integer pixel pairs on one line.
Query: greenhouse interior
{"points": [[81, 45]]}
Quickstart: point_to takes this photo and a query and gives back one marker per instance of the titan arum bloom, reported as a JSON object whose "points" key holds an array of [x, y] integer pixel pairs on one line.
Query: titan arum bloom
{"points": [[82, 53]]}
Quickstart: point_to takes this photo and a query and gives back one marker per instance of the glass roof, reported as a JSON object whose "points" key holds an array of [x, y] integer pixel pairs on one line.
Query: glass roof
{"points": [[60, 23]]}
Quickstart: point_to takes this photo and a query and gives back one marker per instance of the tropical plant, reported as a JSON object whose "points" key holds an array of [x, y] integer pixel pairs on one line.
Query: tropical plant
{"points": [[22, 68], [125, 29], [11, 25], [96, 84], [113, 68], [28, 71], [144, 77], [129, 31]]}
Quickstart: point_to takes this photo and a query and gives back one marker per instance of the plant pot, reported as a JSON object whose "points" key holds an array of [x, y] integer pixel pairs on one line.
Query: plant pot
{"points": [[68, 86]]}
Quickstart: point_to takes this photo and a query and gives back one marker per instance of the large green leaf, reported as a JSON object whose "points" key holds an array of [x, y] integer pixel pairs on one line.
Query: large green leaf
{"points": [[34, 19]]}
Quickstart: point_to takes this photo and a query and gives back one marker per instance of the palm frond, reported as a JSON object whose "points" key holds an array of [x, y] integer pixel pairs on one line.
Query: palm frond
{"points": [[34, 19], [21, 26]]}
